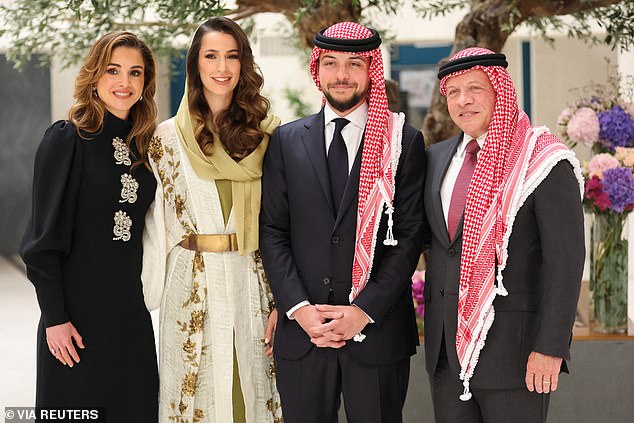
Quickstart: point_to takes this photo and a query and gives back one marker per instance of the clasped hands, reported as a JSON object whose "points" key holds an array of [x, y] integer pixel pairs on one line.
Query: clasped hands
{"points": [[331, 326]]}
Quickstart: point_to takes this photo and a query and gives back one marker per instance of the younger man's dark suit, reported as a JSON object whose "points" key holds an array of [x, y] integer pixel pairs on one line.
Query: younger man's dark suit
{"points": [[308, 255]]}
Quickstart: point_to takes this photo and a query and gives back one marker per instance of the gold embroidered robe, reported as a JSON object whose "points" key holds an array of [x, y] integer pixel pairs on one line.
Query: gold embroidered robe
{"points": [[209, 301]]}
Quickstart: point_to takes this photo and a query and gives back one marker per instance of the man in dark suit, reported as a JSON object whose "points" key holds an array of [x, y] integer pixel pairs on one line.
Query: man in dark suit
{"points": [[507, 251], [340, 235]]}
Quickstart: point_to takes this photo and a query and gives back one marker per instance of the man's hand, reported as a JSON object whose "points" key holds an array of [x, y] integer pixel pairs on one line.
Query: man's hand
{"points": [[542, 372], [312, 322], [308, 317], [60, 343], [346, 321]]}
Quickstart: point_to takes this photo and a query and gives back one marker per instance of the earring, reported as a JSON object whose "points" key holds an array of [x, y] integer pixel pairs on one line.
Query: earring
{"points": [[94, 92], [140, 98]]}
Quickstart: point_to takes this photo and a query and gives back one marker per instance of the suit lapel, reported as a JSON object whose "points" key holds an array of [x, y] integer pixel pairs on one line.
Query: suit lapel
{"points": [[438, 174], [458, 230], [313, 141], [352, 186]]}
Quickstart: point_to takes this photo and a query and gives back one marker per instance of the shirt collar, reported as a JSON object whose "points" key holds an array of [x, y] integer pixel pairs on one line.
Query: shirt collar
{"points": [[465, 140], [358, 117]]}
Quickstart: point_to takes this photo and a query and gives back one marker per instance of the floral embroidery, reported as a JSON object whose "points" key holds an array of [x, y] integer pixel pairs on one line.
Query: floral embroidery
{"points": [[275, 408], [179, 206], [122, 225], [196, 321], [189, 346], [184, 407], [121, 152], [129, 186], [272, 371], [199, 265], [198, 415], [188, 388], [155, 149], [192, 348], [177, 201], [267, 304], [194, 297], [258, 267]]}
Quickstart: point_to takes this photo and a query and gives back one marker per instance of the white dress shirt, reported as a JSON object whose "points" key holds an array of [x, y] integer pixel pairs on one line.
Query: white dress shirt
{"points": [[446, 189], [352, 134]]}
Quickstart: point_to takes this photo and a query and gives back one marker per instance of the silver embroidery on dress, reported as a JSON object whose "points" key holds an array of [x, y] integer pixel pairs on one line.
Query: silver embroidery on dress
{"points": [[121, 152], [129, 185], [122, 225]]}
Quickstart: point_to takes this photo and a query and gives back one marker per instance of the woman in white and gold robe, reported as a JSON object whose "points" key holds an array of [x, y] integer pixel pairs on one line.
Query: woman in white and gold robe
{"points": [[201, 263]]}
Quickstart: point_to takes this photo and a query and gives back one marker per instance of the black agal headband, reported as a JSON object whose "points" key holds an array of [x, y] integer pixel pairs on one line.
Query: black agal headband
{"points": [[497, 59], [347, 44]]}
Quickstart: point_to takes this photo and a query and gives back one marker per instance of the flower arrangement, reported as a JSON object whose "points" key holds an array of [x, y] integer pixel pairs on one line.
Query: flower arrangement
{"points": [[418, 287], [604, 122], [610, 182]]}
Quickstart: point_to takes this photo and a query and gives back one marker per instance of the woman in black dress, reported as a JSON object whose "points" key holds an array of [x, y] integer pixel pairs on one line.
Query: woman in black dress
{"points": [[83, 244]]}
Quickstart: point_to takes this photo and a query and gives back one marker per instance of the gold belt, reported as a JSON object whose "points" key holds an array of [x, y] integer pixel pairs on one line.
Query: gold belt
{"points": [[215, 243]]}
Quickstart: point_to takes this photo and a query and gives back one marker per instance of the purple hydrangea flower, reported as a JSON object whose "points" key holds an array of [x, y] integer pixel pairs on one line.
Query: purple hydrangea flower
{"points": [[619, 184], [420, 310], [617, 128], [418, 286]]}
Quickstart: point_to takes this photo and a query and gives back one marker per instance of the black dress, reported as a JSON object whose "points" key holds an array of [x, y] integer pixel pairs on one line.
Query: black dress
{"points": [[83, 252]]}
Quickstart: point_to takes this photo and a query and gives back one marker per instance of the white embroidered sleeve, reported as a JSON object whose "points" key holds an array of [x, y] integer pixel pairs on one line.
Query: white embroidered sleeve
{"points": [[154, 251]]}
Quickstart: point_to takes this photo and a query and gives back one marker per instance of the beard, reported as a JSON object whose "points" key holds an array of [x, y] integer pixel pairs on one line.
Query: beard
{"points": [[345, 105]]}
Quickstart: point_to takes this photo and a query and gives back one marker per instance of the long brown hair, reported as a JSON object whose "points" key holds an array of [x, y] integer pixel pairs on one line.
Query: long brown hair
{"points": [[87, 114], [239, 125]]}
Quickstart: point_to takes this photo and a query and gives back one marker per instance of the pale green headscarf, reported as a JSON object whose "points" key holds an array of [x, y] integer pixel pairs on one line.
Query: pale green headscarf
{"points": [[245, 175]]}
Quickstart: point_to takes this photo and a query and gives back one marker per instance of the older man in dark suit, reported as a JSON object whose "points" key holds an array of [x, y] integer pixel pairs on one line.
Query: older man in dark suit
{"points": [[507, 251], [340, 235]]}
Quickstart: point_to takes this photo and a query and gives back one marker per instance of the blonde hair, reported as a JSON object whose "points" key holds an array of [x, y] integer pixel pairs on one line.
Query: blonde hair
{"points": [[87, 114]]}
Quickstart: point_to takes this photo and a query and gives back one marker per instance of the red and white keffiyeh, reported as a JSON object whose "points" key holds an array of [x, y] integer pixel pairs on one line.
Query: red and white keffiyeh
{"points": [[515, 159], [379, 159]]}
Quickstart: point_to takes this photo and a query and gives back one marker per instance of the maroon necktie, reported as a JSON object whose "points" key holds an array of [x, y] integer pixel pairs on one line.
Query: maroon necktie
{"points": [[459, 194]]}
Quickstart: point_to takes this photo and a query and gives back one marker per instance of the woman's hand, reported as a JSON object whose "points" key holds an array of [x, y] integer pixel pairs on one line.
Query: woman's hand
{"points": [[60, 343], [270, 332]]}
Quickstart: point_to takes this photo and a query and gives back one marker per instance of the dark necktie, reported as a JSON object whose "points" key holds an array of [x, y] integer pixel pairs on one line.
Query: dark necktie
{"points": [[459, 194], [338, 162]]}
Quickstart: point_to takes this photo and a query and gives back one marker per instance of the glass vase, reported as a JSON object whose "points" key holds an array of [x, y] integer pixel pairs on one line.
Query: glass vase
{"points": [[608, 273]]}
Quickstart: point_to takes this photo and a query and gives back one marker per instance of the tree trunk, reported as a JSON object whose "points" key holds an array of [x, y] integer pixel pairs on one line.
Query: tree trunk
{"points": [[319, 15]]}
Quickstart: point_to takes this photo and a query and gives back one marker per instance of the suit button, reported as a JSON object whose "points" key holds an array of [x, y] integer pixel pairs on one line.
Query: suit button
{"points": [[451, 252], [326, 280], [442, 292], [335, 240]]}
